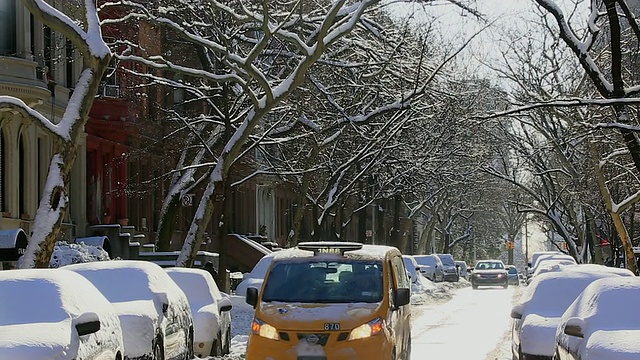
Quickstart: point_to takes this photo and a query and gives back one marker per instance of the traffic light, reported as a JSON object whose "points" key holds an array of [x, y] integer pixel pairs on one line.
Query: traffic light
{"points": [[510, 245]]}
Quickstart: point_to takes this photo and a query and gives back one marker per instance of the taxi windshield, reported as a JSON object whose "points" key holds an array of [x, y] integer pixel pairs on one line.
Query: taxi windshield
{"points": [[342, 281]]}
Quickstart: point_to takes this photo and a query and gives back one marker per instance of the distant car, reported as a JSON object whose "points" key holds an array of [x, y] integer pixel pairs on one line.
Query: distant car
{"points": [[544, 259], [431, 267], [463, 269], [56, 314], [255, 278], [602, 323], [154, 312], [512, 275], [534, 259], [449, 267], [210, 309], [537, 314], [489, 273]]}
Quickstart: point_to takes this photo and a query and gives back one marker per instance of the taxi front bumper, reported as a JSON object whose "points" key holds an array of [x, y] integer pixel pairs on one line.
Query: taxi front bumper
{"points": [[330, 345]]}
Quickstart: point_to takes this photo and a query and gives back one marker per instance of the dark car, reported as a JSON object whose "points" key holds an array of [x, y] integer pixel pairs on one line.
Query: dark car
{"points": [[489, 273], [512, 275], [451, 273]]}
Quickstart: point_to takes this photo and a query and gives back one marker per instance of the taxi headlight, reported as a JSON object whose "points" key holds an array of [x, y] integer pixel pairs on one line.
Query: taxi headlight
{"points": [[263, 329], [369, 329]]}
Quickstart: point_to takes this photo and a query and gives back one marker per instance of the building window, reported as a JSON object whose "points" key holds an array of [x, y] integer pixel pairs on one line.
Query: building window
{"points": [[7, 27]]}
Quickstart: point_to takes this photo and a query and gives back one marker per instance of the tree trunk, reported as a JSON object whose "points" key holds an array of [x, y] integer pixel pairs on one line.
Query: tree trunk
{"points": [[167, 223]]}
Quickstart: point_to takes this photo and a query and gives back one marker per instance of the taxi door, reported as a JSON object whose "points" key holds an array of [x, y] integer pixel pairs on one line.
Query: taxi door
{"points": [[400, 315]]}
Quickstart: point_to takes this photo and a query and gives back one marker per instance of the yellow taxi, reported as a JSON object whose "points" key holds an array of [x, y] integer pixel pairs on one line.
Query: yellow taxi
{"points": [[332, 300]]}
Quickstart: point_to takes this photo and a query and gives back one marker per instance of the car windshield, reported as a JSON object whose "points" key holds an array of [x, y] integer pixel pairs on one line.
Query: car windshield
{"points": [[489, 266], [345, 281], [447, 260], [425, 260]]}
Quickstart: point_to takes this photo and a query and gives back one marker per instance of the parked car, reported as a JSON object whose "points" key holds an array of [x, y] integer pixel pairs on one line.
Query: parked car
{"points": [[413, 268], [330, 300], [154, 312], [449, 266], [534, 260], [512, 275], [210, 309], [537, 314], [431, 267], [489, 273], [56, 314], [549, 259], [602, 323], [463, 270], [256, 276]]}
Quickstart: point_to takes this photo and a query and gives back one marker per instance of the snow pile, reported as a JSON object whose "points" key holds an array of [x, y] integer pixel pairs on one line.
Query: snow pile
{"points": [[65, 253], [436, 292]]}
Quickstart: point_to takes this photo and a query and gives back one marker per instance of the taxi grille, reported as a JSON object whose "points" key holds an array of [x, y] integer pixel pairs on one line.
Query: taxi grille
{"points": [[314, 338]]}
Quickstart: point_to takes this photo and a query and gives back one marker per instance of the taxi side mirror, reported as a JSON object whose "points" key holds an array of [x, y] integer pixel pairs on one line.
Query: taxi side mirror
{"points": [[401, 297], [252, 296]]}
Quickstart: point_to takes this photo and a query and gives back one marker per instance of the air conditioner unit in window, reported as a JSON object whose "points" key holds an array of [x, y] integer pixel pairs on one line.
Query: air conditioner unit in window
{"points": [[111, 91]]}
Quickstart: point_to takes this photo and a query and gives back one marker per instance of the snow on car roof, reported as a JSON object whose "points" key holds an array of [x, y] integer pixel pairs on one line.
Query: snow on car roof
{"points": [[194, 283], [551, 293], [46, 295], [369, 252], [139, 278], [611, 303]]}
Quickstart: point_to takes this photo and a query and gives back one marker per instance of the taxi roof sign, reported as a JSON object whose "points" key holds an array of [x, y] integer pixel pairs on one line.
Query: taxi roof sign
{"points": [[329, 247]]}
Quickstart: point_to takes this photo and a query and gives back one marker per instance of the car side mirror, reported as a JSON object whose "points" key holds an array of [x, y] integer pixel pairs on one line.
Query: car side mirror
{"points": [[516, 311], [224, 304], [401, 297], [88, 327], [251, 297], [165, 307], [574, 327]]}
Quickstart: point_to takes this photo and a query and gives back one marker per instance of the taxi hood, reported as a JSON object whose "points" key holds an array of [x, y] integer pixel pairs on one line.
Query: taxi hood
{"points": [[314, 317]]}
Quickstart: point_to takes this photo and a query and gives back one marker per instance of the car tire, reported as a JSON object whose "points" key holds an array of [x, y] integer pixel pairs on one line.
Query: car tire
{"points": [[474, 285], [506, 285]]}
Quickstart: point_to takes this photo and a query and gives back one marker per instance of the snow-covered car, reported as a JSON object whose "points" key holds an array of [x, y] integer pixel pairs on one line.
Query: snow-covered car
{"points": [[537, 254], [56, 314], [255, 278], [154, 312], [449, 267], [413, 268], [602, 323], [551, 265], [537, 314], [489, 273], [544, 258], [431, 267], [210, 309]]}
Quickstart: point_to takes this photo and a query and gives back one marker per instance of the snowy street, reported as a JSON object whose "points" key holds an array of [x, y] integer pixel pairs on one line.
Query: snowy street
{"points": [[472, 325], [453, 322]]}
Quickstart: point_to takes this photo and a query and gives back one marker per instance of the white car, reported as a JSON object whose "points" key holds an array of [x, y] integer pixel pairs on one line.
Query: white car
{"points": [[537, 314], [210, 309], [56, 314], [602, 323], [154, 312], [256, 277]]}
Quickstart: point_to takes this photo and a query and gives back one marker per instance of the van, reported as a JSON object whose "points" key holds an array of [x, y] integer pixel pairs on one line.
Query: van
{"points": [[332, 300]]}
